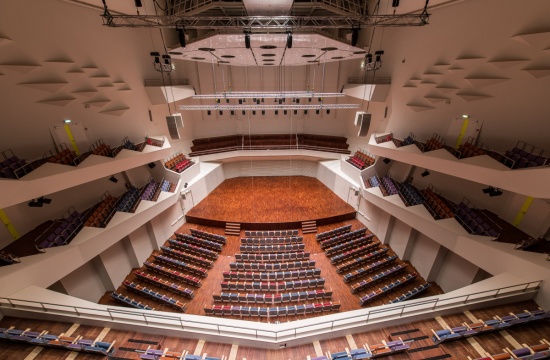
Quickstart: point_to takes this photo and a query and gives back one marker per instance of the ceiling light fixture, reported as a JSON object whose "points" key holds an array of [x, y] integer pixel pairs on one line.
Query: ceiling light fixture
{"points": [[217, 107], [289, 40], [269, 95]]}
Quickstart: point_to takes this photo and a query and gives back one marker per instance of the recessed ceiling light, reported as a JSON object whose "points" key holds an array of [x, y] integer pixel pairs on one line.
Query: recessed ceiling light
{"points": [[268, 55], [308, 55], [207, 49], [359, 52], [197, 58], [329, 48], [268, 47], [175, 53], [337, 57], [228, 56]]}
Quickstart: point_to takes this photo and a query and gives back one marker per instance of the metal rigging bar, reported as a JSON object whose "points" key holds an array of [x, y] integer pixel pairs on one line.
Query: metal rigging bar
{"points": [[281, 23]]}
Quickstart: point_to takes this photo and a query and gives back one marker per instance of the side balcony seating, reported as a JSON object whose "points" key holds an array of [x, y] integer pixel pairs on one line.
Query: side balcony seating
{"points": [[150, 192], [61, 155], [102, 213], [12, 167], [411, 194], [438, 206], [272, 286], [62, 231], [282, 266], [332, 233], [170, 286], [537, 351], [389, 185], [7, 258], [173, 274], [99, 148], [361, 159], [45, 339], [167, 186], [161, 298], [156, 354], [387, 288], [524, 155], [231, 310], [475, 222], [129, 201], [384, 348], [273, 298]]}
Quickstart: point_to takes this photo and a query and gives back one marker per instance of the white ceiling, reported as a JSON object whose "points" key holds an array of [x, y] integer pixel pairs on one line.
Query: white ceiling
{"points": [[311, 45]]}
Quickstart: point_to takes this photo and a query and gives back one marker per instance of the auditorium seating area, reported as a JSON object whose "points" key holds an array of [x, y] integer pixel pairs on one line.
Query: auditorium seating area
{"points": [[410, 194], [524, 155], [362, 159], [151, 191], [103, 212], [384, 138], [12, 167], [382, 349], [61, 155], [541, 350], [437, 205], [475, 222], [62, 231], [469, 149], [389, 185], [409, 140], [157, 354], [220, 144], [129, 201], [159, 283], [178, 163], [45, 339]]}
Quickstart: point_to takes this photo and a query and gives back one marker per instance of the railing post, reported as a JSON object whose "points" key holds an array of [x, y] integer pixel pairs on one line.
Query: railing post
{"points": [[467, 297], [76, 310], [181, 323], [402, 309], [435, 303], [145, 318], [12, 304], [110, 315], [496, 294], [526, 286], [218, 326], [43, 307]]}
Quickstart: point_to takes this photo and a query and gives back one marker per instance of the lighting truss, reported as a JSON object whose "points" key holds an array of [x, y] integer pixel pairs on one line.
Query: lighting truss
{"points": [[263, 23], [268, 95], [216, 107]]}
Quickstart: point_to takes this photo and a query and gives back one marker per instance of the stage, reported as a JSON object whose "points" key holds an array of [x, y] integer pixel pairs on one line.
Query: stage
{"points": [[270, 203]]}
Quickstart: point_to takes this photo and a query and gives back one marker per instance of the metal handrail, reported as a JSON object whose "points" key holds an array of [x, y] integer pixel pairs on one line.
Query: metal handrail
{"points": [[348, 322]]}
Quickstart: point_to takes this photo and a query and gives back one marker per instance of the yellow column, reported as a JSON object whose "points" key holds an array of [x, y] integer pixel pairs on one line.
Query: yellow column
{"points": [[523, 211], [462, 133], [9, 225], [71, 138]]}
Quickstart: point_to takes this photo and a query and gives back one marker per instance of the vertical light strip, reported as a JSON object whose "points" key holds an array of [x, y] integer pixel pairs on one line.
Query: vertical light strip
{"points": [[526, 205], [9, 225], [462, 132], [71, 138]]}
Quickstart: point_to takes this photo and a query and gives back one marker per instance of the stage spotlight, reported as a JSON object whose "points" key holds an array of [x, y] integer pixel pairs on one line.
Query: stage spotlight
{"points": [[262, 99], [156, 55], [280, 101], [221, 112], [487, 190], [227, 101], [295, 112], [355, 36], [309, 99], [425, 173], [368, 58], [151, 165], [395, 3], [240, 101], [44, 200], [34, 203], [258, 102], [113, 179], [386, 161], [253, 99], [181, 37], [253, 112], [138, 3], [378, 55], [166, 59], [247, 39], [297, 101], [289, 40], [305, 112]]}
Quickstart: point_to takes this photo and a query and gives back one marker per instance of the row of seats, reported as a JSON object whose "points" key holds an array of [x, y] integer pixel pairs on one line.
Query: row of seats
{"points": [[178, 163], [170, 261], [173, 274], [273, 257], [468, 150], [270, 233], [272, 275], [337, 239], [365, 283], [373, 181], [360, 260], [150, 192], [7, 258], [187, 257], [361, 160], [351, 254], [255, 266], [101, 149], [167, 186], [193, 249], [435, 143], [208, 236], [411, 194], [388, 260], [411, 293], [471, 220], [156, 354], [348, 245], [273, 286], [528, 352], [13, 168], [523, 157], [129, 201], [171, 286], [129, 145], [387, 288], [334, 232], [385, 348], [273, 298], [102, 213], [496, 324], [63, 156], [130, 302], [271, 248], [438, 206], [208, 244], [159, 297], [61, 232], [301, 309], [45, 339], [154, 142], [272, 240], [389, 185]]}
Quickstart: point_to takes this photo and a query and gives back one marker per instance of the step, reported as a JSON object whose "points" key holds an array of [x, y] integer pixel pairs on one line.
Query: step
{"points": [[233, 229]]}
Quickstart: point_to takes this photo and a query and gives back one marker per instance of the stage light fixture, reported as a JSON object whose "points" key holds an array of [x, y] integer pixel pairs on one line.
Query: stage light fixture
{"points": [[166, 59], [151, 165], [368, 58], [227, 101], [181, 37], [258, 102], [309, 99], [487, 190], [253, 99], [156, 55], [425, 173], [355, 36], [317, 111], [295, 112], [34, 203], [386, 161], [305, 112], [221, 112], [240, 101], [395, 3], [496, 192], [378, 55], [247, 39], [253, 112], [289, 40], [244, 112], [44, 200], [280, 101], [262, 99], [113, 179]]}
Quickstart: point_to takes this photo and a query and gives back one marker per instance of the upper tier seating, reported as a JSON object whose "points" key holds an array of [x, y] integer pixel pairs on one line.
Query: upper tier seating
{"points": [[387, 288], [61, 155], [385, 348], [439, 207], [156, 354], [130, 302], [361, 159], [101, 149], [410, 193], [178, 163], [384, 138], [13, 168], [411, 293], [524, 155], [476, 222], [102, 213], [157, 296], [61, 232], [167, 186], [389, 185], [129, 201], [151, 191], [468, 149], [44, 338], [269, 142]]}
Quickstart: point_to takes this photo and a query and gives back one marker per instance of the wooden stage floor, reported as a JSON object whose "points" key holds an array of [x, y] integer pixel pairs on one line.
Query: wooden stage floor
{"points": [[270, 200]]}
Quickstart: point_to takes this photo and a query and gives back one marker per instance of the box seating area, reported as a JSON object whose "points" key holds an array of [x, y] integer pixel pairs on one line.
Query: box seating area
{"points": [[365, 283], [482, 327], [7, 259], [357, 273], [475, 222], [438, 206], [45, 339], [272, 240], [151, 191], [385, 348], [178, 163], [524, 155], [271, 275], [99, 148], [296, 265], [130, 302], [468, 149], [232, 310], [387, 288], [61, 232], [13, 168], [389, 185], [529, 352], [167, 186], [361, 159], [270, 233], [411, 293], [61, 155], [220, 144], [156, 354], [383, 138], [102, 213], [410, 193], [129, 201], [157, 296], [171, 286], [154, 142], [273, 298]]}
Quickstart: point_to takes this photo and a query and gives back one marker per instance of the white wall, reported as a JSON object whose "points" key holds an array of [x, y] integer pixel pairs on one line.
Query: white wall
{"points": [[117, 263], [423, 255], [455, 273], [84, 283], [140, 244], [400, 238]]}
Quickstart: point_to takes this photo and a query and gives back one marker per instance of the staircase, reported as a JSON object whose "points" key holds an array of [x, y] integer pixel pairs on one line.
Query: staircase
{"points": [[233, 229], [309, 227]]}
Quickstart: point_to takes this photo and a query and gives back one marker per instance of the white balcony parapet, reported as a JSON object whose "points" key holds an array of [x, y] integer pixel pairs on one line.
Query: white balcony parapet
{"points": [[481, 169]]}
